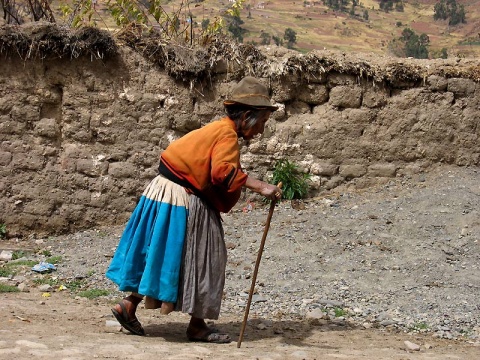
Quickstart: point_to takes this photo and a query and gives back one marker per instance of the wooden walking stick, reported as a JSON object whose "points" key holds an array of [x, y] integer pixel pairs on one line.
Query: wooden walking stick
{"points": [[257, 264]]}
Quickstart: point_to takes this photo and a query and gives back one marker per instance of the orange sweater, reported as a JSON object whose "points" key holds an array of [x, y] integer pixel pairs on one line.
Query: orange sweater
{"points": [[209, 160]]}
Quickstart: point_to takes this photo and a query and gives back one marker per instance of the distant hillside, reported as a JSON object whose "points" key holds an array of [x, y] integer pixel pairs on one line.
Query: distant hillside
{"points": [[366, 29], [319, 27]]}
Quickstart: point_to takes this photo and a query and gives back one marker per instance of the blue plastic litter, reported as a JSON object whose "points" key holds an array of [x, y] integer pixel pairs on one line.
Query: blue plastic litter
{"points": [[43, 267]]}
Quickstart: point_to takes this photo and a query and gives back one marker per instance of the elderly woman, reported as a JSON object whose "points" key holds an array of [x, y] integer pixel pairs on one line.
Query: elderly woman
{"points": [[172, 251]]}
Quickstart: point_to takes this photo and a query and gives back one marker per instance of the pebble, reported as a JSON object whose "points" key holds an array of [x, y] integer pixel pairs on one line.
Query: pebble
{"points": [[23, 287], [112, 323], [411, 346], [44, 287], [6, 255]]}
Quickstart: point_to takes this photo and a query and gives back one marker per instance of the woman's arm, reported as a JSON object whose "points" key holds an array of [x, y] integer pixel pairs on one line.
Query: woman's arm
{"points": [[268, 190]]}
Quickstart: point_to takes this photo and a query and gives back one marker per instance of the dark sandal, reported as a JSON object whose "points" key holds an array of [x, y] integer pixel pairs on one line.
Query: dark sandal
{"points": [[212, 337], [132, 325]]}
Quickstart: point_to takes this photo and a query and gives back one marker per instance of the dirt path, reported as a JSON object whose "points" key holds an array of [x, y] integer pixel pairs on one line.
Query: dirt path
{"points": [[59, 327], [352, 275]]}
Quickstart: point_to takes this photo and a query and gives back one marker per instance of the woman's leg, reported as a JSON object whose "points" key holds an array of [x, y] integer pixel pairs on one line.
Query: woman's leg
{"points": [[197, 327], [198, 330], [125, 311], [130, 303]]}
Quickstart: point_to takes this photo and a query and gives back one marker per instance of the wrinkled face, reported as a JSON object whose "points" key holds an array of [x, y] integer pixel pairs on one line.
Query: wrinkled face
{"points": [[256, 129]]}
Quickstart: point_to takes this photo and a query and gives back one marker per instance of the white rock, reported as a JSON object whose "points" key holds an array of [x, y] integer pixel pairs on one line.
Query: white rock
{"points": [[112, 323], [411, 346], [6, 255], [44, 287], [23, 287]]}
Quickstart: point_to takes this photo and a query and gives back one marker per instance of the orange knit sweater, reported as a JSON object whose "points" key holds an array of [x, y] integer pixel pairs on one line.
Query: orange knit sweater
{"points": [[209, 159]]}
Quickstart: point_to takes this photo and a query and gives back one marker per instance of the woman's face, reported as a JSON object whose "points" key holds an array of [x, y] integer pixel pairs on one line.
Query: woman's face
{"points": [[256, 129]]}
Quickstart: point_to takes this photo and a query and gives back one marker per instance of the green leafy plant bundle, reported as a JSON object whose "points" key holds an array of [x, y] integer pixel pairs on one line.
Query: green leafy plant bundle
{"points": [[294, 182]]}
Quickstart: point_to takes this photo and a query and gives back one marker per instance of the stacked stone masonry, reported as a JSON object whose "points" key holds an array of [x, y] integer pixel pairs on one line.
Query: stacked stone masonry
{"points": [[80, 139]]}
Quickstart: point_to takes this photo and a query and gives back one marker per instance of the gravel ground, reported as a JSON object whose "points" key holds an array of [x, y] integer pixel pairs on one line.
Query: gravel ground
{"points": [[404, 255]]}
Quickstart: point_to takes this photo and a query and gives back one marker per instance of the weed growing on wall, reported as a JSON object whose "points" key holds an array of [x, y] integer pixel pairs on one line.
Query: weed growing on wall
{"points": [[294, 182]]}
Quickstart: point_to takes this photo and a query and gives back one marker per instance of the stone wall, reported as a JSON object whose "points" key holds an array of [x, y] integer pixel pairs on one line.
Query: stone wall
{"points": [[81, 138]]}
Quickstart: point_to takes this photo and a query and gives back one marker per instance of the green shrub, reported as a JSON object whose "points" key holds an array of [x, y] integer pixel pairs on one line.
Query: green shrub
{"points": [[75, 285], [46, 253], [294, 183], [54, 259], [22, 263], [46, 280], [17, 254], [340, 312], [6, 271], [422, 325], [3, 231], [93, 293], [8, 288]]}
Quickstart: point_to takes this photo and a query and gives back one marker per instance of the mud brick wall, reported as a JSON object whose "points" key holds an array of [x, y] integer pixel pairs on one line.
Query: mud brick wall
{"points": [[81, 138]]}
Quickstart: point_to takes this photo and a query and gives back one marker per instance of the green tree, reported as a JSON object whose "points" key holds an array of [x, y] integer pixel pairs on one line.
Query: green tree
{"points": [[440, 11], [339, 5], [290, 36], [407, 34], [205, 23], [235, 28], [277, 40], [458, 17], [234, 21], [266, 38], [352, 10], [365, 14], [389, 5], [449, 9], [386, 5], [415, 46], [249, 8]]}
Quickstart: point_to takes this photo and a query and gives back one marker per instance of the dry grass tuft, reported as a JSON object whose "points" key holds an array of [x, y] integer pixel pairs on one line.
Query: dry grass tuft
{"points": [[192, 63], [43, 39]]}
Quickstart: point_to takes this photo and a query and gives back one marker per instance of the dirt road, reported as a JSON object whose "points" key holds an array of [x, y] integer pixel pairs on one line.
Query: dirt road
{"points": [[352, 275], [59, 327]]}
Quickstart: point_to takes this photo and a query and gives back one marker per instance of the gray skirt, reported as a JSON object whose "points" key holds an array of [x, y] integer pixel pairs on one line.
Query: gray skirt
{"points": [[202, 275]]}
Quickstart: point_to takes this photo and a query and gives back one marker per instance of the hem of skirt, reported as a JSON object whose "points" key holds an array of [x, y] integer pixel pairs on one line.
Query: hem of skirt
{"points": [[202, 315]]}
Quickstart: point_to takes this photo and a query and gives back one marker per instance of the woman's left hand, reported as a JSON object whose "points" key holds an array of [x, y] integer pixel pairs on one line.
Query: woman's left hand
{"points": [[270, 191]]}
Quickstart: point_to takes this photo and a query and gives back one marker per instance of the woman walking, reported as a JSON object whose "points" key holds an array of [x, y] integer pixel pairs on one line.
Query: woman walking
{"points": [[172, 252]]}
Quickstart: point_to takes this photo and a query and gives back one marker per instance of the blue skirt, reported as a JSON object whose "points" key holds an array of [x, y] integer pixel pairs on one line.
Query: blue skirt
{"points": [[148, 258]]}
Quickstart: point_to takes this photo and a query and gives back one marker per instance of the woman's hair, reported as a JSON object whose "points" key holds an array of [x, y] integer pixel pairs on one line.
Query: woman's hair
{"points": [[236, 113]]}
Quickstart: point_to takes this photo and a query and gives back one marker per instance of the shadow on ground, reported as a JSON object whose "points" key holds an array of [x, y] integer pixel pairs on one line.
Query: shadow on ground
{"points": [[289, 332]]}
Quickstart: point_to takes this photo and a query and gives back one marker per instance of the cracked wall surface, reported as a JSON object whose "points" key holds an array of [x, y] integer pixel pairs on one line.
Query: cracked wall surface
{"points": [[81, 138]]}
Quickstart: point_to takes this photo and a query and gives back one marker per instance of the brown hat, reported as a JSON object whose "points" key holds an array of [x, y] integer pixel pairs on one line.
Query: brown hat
{"points": [[249, 91]]}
